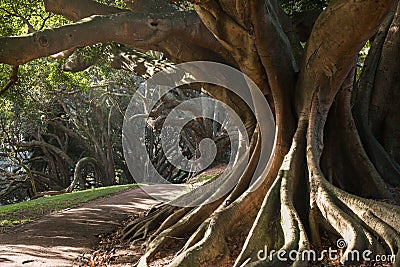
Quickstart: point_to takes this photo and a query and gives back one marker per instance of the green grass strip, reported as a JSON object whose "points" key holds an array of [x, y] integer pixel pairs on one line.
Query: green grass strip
{"points": [[14, 214]]}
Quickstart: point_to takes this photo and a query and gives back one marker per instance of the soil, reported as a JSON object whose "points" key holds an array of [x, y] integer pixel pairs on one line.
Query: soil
{"points": [[60, 239], [90, 234], [214, 171], [112, 252]]}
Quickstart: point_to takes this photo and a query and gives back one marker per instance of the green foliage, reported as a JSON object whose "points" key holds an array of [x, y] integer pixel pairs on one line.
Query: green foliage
{"points": [[183, 5], [361, 59], [292, 6], [59, 79], [14, 214], [116, 3], [81, 102], [20, 17], [205, 177]]}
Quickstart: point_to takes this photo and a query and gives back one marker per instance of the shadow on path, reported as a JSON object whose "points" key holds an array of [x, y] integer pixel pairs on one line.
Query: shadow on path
{"points": [[58, 239]]}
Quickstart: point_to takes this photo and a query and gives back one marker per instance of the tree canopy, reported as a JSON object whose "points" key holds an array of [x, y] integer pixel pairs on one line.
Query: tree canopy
{"points": [[328, 69]]}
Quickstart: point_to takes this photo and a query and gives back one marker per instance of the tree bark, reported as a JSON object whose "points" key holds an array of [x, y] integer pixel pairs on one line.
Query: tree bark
{"points": [[307, 193], [79, 167]]}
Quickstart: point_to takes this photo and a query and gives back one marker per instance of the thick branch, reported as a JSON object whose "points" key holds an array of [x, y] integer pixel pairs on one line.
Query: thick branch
{"points": [[82, 163], [194, 42], [303, 22], [19, 50], [13, 79], [150, 6], [78, 138], [78, 62], [142, 31], [50, 147], [13, 185], [327, 64], [237, 40], [386, 81], [275, 52], [79, 9], [120, 57]]}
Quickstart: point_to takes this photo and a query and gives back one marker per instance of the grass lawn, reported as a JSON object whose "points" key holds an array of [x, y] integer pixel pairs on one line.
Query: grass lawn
{"points": [[14, 214], [205, 177]]}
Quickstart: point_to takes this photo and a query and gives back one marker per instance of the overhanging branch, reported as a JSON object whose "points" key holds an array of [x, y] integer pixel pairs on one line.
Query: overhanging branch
{"points": [[129, 28], [142, 31], [78, 9], [13, 79], [327, 64]]}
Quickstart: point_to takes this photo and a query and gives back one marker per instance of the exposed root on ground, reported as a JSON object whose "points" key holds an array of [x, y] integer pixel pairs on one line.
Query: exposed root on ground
{"points": [[344, 212], [273, 220]]}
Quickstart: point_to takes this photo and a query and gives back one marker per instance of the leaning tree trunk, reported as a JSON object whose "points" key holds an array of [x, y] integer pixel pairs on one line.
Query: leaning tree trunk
{"points": [[78, 176], [324, 174]]}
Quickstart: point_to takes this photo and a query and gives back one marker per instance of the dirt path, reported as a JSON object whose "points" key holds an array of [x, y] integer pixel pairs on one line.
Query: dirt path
{"points": [[58, 239]]}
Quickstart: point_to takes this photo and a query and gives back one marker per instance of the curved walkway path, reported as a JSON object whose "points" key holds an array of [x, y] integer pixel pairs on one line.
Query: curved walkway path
{"points": [[58, 239]]}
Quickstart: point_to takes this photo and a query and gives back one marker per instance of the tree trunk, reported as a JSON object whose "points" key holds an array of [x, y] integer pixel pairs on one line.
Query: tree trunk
{"points": [[78, 178], [337, 151], [327, 146]]}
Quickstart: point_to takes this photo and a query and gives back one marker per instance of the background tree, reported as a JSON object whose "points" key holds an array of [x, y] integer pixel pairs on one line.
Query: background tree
{"points": [[337, 148], [55, 137], [72, 132], [191, 135]]}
